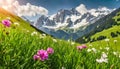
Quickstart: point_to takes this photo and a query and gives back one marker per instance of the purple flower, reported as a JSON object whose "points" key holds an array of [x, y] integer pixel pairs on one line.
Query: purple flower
{"points": [[36, 57], [6, 23], [42, 54], [50, 50], [84, 46], [79, 47]]}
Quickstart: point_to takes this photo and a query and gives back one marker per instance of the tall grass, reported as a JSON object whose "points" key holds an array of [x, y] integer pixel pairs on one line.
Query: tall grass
{"points": [[17, 49]]}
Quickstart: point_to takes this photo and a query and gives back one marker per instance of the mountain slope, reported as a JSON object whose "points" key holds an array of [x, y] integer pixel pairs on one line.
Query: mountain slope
{"points": [[107, 27], [113, 32], [23, 25]]}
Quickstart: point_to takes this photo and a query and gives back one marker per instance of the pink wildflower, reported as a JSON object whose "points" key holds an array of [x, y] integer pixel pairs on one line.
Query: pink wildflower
{"points": [[50, 50], [84, 46], [79, 47], [6, 23], [36, 57], [43, 54]]}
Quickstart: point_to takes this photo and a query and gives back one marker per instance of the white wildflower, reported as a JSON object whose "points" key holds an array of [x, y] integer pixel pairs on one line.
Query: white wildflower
{"points": [[103, 58], [107, 40], [104, 55], [115, 53], [54, 40], [107, 48], [89, 50], [94, 50], [99, 60], [115, 41], [72, 43], [34, 33], [68, 40], [63, 68], [43, 34], [17, 24]]}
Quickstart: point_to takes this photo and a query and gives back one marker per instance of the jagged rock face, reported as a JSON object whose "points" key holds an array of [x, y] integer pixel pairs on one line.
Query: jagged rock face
{"points": [[50, 23], [75, 12], [41, 21], [70, 23], [60, 17]]}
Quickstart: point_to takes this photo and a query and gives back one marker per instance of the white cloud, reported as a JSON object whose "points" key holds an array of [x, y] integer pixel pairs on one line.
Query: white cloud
{"points": [[31, 10], [23, 10], [81, 9], [6, 2]]}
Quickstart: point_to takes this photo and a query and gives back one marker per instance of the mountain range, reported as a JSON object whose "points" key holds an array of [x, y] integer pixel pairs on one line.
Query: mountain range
{"points": [[70, 24]]}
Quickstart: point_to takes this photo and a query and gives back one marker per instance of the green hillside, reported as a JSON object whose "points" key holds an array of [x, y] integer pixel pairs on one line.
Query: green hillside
{"points": [[111, 20], [22, 47], [107, 32], [112, 33], [24, 26]]}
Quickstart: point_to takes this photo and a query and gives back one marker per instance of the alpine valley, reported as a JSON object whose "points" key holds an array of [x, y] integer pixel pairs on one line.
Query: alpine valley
{"points": [[76, 38]]}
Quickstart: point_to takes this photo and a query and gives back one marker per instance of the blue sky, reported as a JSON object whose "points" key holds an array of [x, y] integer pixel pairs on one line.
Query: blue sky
{"points": [[54, 5]]}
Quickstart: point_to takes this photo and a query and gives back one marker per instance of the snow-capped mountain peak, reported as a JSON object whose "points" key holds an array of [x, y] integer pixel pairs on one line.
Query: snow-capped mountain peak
{"points": [[73, 18], [81, 9], [71, 21]]}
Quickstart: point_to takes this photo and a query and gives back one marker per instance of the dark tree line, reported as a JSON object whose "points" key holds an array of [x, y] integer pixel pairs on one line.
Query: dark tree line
{"points": [[118, 19], [115, 34]]}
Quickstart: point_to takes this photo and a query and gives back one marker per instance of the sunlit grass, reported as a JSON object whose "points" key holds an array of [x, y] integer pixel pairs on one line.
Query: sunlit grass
{"points": [[18, 45], [18, 48]]}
